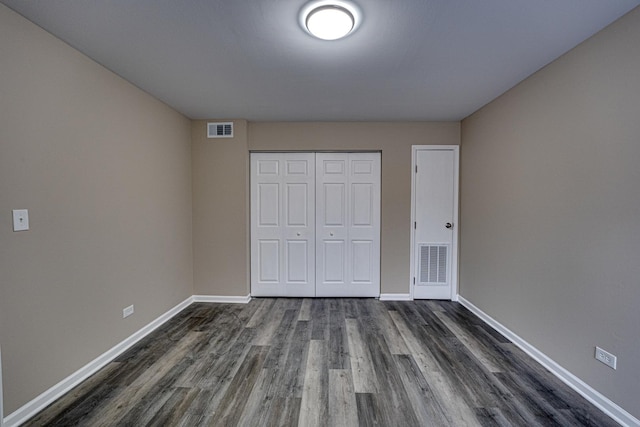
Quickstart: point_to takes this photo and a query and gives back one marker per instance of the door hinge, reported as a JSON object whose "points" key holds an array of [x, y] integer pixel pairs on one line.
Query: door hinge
{"points": [[415, 225], [414, 280], [416, 168]]}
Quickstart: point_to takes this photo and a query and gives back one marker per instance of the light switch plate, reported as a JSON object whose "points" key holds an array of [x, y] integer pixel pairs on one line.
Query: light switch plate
{"points": [[20, 219]]}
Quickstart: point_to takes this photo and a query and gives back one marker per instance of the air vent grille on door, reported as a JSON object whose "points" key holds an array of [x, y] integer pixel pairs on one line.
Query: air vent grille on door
{"points": [[433, 264], [220, 130]]}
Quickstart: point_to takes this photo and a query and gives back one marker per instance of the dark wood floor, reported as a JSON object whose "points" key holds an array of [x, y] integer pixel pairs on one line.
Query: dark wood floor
{"points": [[330, 362]]}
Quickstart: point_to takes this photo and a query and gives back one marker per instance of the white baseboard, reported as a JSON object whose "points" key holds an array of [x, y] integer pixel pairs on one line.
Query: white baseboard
{"points": [[396, 297], [223, 299], [31, 408], [599, 400], [1, 397]]}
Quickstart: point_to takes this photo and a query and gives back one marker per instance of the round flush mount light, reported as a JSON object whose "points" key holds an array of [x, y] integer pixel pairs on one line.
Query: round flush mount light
{"points": [[329, 20]]}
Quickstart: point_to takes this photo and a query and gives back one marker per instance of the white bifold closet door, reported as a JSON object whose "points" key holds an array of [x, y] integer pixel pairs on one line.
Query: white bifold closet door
{"points": [[283, 224], [348, 224], [315, 224]]}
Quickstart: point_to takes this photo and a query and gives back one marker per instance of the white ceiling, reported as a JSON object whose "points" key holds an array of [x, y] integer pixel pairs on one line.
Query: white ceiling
{"points": [[409, 60]]}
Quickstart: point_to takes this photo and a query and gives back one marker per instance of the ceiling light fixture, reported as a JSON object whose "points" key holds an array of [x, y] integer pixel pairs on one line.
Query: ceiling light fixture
{"points": [[329, 20]]}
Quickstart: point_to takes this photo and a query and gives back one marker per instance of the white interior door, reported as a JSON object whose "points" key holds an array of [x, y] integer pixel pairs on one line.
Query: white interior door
{"points": [[348, 224], [435, 222], [283, 224]]}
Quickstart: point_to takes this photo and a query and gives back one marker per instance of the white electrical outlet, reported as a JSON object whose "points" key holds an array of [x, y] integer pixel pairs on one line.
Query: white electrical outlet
{"points": [[20, 220], [606, 357], [127, 311]]}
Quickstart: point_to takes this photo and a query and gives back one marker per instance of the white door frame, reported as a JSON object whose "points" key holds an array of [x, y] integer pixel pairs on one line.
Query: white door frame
{"points": [[456, 226]]}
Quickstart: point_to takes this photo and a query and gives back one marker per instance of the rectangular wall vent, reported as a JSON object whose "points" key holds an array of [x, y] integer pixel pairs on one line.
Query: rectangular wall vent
{"points": [[434, 264], [220, 130]]}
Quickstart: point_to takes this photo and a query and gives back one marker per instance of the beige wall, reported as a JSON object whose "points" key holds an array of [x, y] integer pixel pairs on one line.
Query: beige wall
{"points": [[104, 170], [550, 202], [220, 211], [221, 189]]}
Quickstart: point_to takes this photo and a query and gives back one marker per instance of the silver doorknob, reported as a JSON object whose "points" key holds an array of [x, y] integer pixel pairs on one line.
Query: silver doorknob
{"points": [[298, 233], [449, 225], [331, 234]]}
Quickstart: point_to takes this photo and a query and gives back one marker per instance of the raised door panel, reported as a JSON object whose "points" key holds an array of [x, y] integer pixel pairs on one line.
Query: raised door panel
{"points": [[333, 261], [362, 252], [334, 206], [268, 204], [269, 261], [297, 204], [297, 265]]}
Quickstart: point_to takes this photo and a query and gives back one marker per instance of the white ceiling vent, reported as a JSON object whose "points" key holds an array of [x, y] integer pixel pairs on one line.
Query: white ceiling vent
{"points": [[220, 130]]}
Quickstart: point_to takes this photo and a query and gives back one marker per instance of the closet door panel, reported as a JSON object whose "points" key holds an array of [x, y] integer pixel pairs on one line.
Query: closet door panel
{"points": [[283, 224], [348, 224]]}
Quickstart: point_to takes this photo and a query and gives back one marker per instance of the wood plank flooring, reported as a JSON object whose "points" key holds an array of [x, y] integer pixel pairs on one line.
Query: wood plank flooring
{"points": [[323, 362]]}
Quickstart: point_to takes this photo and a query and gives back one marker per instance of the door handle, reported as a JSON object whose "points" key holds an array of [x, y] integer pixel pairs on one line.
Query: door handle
{"points": [[298, 233], [449, 225]]}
